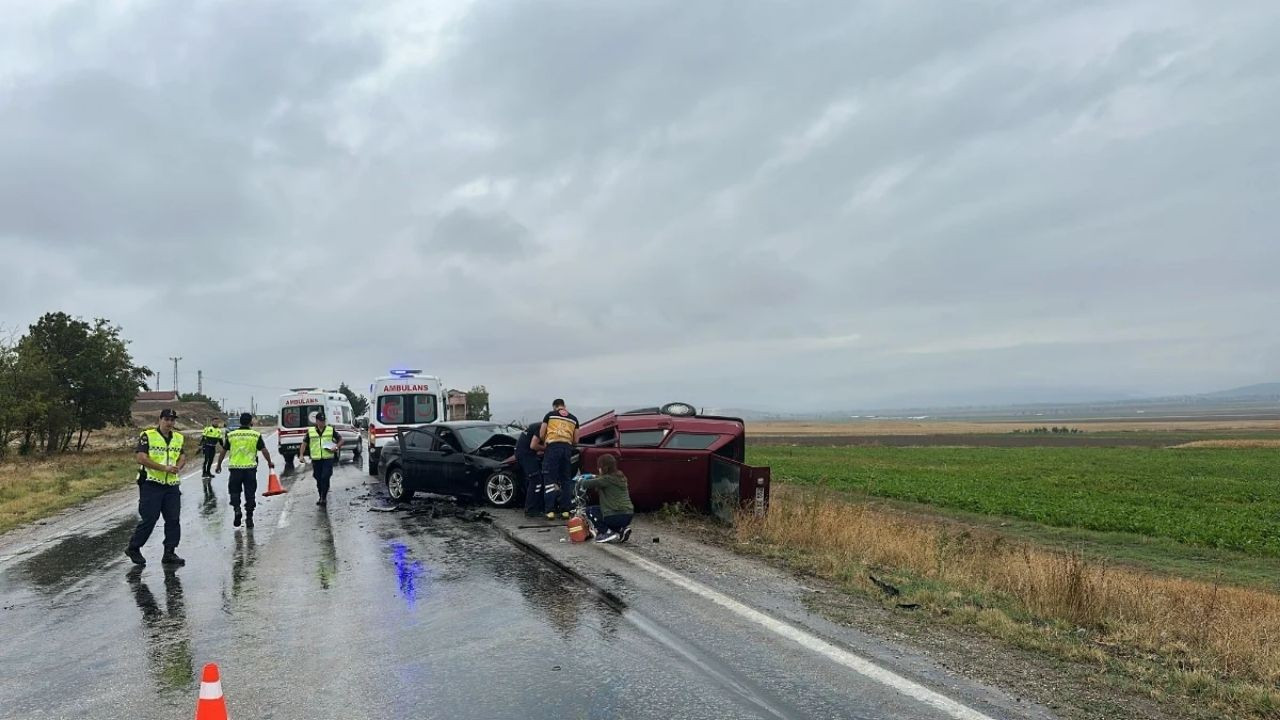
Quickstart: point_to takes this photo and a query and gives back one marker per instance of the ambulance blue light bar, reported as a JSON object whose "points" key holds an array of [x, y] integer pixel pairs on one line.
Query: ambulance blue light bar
{"points": [[400, 372]]}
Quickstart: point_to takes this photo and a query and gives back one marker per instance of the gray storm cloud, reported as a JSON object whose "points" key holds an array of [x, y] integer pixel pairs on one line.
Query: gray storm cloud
{"points": [[748, 205]]}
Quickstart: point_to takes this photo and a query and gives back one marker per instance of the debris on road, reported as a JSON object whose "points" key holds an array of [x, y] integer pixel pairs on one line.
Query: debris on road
{"points": [[434, 508]]}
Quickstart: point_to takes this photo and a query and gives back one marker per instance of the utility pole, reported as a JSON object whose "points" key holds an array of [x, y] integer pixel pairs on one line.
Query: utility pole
{"points": [[253, 407], [224, 405], [175, 373], [199, 382]]}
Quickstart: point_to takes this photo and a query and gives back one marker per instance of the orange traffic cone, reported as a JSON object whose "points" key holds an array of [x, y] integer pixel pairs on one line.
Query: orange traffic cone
{"points": [[211, 706], [273, 486]]}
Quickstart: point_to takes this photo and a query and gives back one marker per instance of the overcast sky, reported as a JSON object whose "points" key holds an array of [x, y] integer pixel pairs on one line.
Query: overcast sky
{"points": [[757, 204]]}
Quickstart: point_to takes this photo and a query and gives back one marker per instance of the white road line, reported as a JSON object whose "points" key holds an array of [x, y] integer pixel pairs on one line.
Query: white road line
{"points": [[283, 522], [858, 664]]}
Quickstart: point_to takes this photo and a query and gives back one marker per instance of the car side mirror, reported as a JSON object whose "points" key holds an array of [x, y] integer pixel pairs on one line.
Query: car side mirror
{"points": [[447, 450]]}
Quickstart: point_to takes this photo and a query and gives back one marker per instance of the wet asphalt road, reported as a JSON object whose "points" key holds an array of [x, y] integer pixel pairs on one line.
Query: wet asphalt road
{"points": [[350, 613]]}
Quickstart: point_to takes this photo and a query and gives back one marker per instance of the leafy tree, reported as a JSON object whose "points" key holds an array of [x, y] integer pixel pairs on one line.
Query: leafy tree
{"points": [[10, 412], [359, 403], [71, 378], [478, 403]]}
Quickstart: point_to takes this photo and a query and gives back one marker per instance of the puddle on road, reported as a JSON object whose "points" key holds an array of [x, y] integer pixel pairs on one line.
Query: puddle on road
{"points": [[170, 660], [54, 570]]}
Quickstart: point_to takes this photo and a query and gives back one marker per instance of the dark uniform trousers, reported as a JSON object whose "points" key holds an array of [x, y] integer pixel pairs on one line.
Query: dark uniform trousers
{"points": [[156, 500], [245, 479], [531, 465], [322, 470], [209, 451], [557, 470]]}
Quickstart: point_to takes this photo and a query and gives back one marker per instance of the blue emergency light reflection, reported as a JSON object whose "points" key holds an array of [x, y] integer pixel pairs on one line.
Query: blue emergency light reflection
{"points": [[407, 573]]}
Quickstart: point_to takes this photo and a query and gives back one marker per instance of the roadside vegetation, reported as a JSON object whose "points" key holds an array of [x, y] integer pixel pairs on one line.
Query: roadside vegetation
{"points": [[66, 391], [1210, 497], [33, 488], [929, 523], [62, 381]]}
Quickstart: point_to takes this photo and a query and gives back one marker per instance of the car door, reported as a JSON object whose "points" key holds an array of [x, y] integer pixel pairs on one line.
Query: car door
{"points": [[655, 475], [418, 459], [453, 464]]}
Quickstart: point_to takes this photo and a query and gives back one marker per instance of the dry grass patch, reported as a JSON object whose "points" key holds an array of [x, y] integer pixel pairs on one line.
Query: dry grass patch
{"points": [[1241, 444], [31, 489], [1210, 642]]}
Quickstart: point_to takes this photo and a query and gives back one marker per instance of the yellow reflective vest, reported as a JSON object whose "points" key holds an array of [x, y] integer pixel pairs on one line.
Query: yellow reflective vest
{"points": [[211, 435], [243, 453], [163, 452], [317, 441]]}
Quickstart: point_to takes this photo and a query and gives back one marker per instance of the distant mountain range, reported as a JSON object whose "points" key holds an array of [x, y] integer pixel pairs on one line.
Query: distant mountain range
{"points": [[1074, 403], [1260, 391]]}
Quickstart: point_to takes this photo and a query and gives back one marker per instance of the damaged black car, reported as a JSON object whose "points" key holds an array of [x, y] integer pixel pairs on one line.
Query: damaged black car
{"points": [[469, 460]]}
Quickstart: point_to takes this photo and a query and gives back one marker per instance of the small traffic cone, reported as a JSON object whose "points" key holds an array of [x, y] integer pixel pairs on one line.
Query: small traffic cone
{"points": [[273, 486], [211, 706]]}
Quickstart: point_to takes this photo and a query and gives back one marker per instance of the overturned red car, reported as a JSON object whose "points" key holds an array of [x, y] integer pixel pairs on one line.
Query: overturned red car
{"points": [[671, 454]]}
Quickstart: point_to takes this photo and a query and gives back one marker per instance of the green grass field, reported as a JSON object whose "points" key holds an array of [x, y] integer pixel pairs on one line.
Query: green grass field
{"points": [[1217, 498]]}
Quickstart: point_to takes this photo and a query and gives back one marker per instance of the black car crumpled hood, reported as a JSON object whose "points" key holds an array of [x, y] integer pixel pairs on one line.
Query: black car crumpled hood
{"points": [[498, 447]]}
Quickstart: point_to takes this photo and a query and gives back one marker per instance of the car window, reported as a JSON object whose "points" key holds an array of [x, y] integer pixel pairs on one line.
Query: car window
{"points": [[608, 436], [447, 438], [346, 415], [641, 438], [418, 440], [473, 437], [691, 441]]}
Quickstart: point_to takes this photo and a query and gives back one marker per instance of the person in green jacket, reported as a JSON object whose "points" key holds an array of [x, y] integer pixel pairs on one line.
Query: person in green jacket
{"points": [[612, 517]]}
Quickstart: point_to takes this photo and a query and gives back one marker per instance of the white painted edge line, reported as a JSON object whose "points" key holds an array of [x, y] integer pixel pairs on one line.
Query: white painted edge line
{"points": [[283, 522], [858, 664]]}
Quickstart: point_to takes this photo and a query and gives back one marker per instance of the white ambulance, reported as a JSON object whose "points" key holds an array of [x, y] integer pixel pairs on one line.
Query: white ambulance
{"points": [[403, 399], [298, 410]]}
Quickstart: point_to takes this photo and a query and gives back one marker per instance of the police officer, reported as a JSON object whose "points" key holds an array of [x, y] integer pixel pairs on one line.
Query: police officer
{"points": [[244, 444], [160, 460], [210, 439], [316, 445]]}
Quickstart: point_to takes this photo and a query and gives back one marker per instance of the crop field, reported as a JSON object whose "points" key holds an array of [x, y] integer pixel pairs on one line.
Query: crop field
{"points": [[1210, 497]]}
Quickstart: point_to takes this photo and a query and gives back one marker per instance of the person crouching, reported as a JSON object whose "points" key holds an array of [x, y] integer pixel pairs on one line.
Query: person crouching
{"points": [[612, 517]]}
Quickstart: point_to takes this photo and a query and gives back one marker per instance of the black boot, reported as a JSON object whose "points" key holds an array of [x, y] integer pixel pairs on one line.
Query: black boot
{"points": [[171, 558], [248, 519], [235, 521], [136, 556]]}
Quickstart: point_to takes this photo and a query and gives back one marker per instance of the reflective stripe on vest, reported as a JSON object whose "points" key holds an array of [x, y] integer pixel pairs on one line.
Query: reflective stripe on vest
{"points": [[244, 448], [316, 443], [163, 453]]}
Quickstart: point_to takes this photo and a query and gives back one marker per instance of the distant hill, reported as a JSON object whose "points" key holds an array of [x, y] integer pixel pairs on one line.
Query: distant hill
{"points": [[987, 404], [1268, 391]]}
